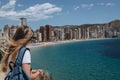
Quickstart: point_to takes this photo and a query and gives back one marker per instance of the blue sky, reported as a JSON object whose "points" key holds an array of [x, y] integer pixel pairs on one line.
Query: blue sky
{"points": [[58, 12]]}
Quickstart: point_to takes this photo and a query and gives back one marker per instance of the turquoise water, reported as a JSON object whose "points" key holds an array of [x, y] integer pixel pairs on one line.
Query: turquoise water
{"points": [[85, 60]]}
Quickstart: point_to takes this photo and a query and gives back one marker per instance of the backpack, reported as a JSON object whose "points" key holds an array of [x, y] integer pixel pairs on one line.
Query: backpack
{"points": [[16, 72]]}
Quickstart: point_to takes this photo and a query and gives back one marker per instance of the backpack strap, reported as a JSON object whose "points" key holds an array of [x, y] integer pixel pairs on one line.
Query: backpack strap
{"points": [[20, 56]]}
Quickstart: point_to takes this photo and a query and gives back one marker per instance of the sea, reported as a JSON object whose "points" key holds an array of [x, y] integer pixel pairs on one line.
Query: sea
{"points": [[81, 60]]}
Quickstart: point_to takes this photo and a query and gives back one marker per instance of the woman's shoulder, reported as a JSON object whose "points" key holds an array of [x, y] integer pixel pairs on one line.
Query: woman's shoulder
{"points": [[27, 57]]}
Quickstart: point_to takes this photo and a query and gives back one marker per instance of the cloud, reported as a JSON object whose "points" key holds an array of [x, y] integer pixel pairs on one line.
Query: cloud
{"points": [[88, 6], [9, 6], [76, 7], [91, 5], [36, 12], [105, 4], [109, 4]]}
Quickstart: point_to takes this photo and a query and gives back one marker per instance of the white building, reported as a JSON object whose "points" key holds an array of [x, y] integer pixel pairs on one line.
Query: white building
{"points": [[79, 33], [39, 35], [88, 33]]}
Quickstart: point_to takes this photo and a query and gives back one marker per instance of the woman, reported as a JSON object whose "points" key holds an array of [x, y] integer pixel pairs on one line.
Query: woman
{"points": [[21, 37]]}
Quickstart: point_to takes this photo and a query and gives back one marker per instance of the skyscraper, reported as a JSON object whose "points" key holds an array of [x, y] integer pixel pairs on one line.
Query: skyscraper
{"points": [[23, 21]]}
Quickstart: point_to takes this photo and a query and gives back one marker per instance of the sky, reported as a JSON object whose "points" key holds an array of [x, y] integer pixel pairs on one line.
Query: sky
{"points": [[58, 12]]}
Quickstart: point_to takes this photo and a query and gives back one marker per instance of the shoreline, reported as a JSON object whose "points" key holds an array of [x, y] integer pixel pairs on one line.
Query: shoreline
{"points": [[43, 44]]}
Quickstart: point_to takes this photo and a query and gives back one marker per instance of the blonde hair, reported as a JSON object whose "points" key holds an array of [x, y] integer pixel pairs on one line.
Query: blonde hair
{"points": [[21, 37]]}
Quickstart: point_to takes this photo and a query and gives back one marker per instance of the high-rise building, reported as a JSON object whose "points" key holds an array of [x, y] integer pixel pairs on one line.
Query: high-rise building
{"points": [[46, 33], [79, 33], [43, 33], [23, 21], [56, 33], [88, 31], [39, 37], [71, 34], [49, 32], [67, 32]]}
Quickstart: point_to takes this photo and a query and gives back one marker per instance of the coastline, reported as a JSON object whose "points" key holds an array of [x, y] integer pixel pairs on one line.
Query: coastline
{"points": [[43, 44]]}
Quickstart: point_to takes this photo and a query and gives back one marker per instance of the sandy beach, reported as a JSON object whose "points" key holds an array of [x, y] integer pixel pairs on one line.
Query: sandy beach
{"points": [[43, 44]]}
